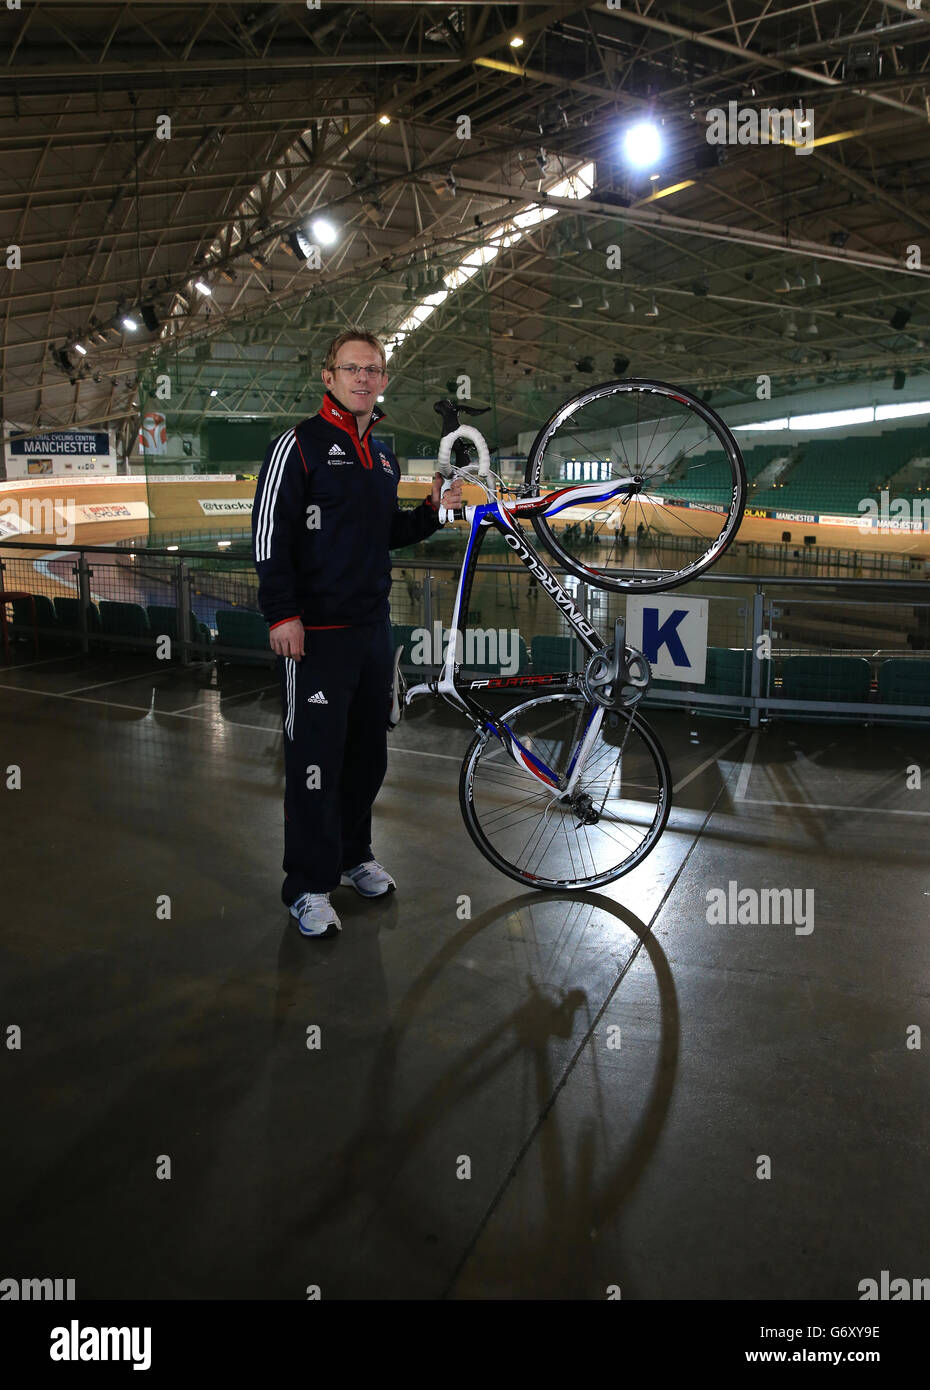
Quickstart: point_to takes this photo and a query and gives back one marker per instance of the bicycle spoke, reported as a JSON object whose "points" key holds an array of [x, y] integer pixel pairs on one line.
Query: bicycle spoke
{"points": [[609, 821]]}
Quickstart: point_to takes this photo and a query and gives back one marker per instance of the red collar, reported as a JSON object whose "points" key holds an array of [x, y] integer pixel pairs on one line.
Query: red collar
{"points": [[337, 414]]}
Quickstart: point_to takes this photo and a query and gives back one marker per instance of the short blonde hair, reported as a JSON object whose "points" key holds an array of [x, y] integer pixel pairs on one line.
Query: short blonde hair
{"points": [[353, 335]]}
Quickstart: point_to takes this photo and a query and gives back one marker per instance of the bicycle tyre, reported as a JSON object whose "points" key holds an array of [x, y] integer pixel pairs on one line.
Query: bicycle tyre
{"points": [[650, 754], [723, 492]]}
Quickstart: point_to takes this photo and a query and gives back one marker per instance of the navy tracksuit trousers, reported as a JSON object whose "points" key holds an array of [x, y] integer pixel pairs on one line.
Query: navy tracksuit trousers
{"points": [[337, 701]]}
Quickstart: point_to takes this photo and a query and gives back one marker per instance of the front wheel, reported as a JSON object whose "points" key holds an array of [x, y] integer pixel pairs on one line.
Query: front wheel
{"points": [[686, 495], [539, 837]]}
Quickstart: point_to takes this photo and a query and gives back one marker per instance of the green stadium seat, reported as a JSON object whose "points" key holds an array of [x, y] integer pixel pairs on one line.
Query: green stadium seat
{"points": [[902, 682], [68, 613], [839, 678], [242, 627], [163, 621], [729, 671], [123, 619], [494, 669], [400, 637], [557, 653], [21, 625]]}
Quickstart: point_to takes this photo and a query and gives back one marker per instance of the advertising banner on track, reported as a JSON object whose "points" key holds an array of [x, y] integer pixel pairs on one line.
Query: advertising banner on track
{"points": [[222, 506], [81, 514]]}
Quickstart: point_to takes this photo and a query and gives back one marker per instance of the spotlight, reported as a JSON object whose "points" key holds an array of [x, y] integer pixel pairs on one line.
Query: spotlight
{"points": [[203, 287], [784, 286], [300, 245], [516, 41], [63, 360], [576, 302], [604, 306], [214, 392], [898, 381], [899, 319], [324, 231], [653, 311], [642, 144], [584, 364], [384, 120], [150, 317], [129, 323], [620, 365], [79, 347]]}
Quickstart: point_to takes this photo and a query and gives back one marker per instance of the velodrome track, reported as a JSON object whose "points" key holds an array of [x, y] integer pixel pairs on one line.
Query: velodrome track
{"points": [[175, 508]]}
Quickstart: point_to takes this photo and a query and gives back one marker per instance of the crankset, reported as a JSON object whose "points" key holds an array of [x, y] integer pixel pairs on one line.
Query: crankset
{"points": [[618, 678]]}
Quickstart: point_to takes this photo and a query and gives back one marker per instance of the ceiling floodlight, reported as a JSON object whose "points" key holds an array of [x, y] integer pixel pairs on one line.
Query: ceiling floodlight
{"points": [[642, 144], [129, 323], [384, 120], [202, 286], [324, 231], [79, 347], [516, 41], [300, 244]]}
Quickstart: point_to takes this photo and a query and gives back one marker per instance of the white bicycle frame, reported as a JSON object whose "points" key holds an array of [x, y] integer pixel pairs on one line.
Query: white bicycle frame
{"points": [[500, 512]]}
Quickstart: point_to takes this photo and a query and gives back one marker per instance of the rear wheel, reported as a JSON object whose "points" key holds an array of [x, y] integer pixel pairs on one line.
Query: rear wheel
{"points": [[532, 832], [684, 506]]}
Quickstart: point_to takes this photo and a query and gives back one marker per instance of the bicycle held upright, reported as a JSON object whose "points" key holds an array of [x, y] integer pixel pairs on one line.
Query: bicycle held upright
{"points": [[570, 789]]}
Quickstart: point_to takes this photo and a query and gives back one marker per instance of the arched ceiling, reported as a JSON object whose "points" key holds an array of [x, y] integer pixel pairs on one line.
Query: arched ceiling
{"points": [[276, 114]]}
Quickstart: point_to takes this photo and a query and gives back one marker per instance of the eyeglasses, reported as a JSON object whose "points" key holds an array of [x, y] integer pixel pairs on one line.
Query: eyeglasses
{"points": [[351, 368]]}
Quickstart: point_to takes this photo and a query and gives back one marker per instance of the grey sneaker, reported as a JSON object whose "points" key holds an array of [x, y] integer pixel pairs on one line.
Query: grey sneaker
{"points": [[315, 915], [369, 879]]}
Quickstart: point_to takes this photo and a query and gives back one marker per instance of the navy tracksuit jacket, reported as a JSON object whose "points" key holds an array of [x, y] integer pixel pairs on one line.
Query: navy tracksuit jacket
{"points": [[324, 520]]}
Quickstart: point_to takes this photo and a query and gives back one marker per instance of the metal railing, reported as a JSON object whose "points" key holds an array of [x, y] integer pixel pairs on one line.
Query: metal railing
{"points": [[769, 617]]}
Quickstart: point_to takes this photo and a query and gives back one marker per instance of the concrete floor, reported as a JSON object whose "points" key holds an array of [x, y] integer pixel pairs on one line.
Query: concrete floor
{"points": [[446, 1041]]}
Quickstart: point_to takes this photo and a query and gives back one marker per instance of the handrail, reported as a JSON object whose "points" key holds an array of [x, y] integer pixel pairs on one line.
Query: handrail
{"points": [[884, 585]]}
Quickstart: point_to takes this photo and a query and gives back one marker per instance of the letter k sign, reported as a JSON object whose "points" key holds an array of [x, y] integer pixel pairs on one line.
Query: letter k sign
{"points": [[655, 637], [671, 633]]}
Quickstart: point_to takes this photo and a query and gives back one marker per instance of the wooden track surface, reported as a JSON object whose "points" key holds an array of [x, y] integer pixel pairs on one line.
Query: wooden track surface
{"points": [[175, 507]]}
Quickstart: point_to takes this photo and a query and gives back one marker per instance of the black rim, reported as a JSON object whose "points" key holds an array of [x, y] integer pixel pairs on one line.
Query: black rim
{"points": [[649, 582], [651, 838]]}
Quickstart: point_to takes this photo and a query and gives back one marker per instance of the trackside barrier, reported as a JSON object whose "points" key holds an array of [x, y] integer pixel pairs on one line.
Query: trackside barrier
{"points": [[757, 626]]}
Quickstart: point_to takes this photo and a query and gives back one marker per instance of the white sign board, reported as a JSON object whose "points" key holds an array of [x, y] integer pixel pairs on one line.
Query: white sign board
{"points": [[214, 506], [671, 633]]}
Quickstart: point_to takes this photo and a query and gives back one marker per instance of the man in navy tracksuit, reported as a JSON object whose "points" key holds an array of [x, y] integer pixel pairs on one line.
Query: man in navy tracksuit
{"points": [[324, 520]]}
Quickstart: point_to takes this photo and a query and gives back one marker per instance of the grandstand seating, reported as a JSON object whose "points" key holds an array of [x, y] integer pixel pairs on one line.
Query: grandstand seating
{"points": [[833, 678], [834, 475]]}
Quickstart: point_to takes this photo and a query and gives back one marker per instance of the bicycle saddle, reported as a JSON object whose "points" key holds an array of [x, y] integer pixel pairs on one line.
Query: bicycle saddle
{"points": [[450, 411]]}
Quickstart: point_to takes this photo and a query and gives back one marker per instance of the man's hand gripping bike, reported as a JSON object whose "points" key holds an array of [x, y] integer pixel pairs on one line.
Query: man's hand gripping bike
{"points": [[571, 788]]}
